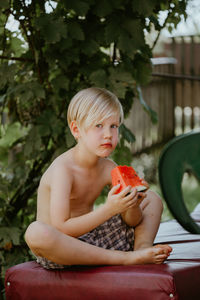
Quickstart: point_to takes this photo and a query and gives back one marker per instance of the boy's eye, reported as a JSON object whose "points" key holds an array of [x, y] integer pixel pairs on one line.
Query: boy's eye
{"points": [[99, 125], [114, 126]]}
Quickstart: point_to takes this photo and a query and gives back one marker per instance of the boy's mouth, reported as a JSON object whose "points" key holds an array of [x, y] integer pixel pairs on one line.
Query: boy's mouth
{"points": [[106, 145]]}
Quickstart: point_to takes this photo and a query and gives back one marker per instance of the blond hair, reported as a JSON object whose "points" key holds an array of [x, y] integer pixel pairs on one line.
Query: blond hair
{"points": [[93, 104]]}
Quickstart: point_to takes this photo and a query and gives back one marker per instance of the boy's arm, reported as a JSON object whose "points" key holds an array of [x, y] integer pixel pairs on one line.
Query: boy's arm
{"points": [[133, 216], [61, 186], [77, 226]]}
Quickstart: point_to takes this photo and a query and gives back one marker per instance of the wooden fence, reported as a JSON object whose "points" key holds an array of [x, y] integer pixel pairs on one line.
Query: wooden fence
{"points": [[174, 93]]}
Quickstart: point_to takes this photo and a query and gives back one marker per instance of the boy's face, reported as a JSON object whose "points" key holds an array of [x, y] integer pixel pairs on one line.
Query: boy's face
{"points": [[102, 137]]}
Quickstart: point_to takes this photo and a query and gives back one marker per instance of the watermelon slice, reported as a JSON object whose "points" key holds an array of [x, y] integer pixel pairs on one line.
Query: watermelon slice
{"points": [[125, 176]]}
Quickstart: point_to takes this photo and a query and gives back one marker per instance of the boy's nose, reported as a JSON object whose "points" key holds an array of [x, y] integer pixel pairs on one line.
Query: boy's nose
{"points": [[107, 133]]}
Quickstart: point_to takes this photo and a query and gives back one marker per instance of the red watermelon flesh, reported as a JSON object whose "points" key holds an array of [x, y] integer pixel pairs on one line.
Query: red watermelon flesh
{"points": [[125, 176]]}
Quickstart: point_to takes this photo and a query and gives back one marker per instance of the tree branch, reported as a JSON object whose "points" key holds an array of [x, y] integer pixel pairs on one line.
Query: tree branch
{"points": [[114, 56], [163, 26], [16, 58], [4, 33]]}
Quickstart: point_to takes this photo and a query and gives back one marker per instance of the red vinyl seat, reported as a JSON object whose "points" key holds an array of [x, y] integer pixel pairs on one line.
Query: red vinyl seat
{"points": [[178, 278]]}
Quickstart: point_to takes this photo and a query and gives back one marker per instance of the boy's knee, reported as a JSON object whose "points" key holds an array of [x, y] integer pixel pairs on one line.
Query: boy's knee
{"points": [[37, 236], [158, 202], [155, 200], [31, 234]]}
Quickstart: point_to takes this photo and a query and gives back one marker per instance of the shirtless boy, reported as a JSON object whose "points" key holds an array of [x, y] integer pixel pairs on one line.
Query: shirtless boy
{"points": [[67, 230]]}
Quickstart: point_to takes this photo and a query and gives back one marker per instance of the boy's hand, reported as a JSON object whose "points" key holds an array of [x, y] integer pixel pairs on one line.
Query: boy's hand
{"points": [[127, 198]]}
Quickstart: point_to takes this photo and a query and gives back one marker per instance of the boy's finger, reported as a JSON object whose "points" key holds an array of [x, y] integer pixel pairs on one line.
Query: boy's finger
{"points": [[125, 191], [114, 189], [139, 201], [131, 194], [134, 201], [141, 195]]}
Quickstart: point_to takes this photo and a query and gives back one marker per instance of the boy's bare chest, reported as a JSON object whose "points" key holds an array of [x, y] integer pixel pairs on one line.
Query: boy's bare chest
{"points": [[86, 189]]}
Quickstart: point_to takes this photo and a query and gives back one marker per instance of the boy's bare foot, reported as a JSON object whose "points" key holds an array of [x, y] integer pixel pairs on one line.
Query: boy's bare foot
{"points": [[153, 255], [166, 248]]}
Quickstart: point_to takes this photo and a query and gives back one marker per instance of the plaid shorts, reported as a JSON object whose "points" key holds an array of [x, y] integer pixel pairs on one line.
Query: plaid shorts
{"points": [[113, 234]]}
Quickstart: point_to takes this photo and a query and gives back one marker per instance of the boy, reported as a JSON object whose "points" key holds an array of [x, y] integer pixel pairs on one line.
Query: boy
{"points": [[68, 231]]}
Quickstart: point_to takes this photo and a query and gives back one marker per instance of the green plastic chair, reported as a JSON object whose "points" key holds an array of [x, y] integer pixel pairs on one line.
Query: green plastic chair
{"points": [[181, 154]]}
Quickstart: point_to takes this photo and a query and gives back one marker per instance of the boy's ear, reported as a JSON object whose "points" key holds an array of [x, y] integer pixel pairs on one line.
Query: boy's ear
{"points": [[74, 129]]}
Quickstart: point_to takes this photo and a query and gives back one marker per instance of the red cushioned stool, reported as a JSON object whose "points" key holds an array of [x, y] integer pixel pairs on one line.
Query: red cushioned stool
{"points": [[178, 278]]}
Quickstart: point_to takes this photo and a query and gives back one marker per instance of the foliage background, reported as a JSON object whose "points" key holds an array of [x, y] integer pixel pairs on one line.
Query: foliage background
{"points": [[58, 48]]}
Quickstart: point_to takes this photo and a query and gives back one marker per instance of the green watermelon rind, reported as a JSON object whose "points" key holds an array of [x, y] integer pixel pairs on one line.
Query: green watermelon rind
{"points": [[140, 188]]}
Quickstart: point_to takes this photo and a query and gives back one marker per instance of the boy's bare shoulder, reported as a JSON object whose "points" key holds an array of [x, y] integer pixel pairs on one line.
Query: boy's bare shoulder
{"points": [[61, 166]]}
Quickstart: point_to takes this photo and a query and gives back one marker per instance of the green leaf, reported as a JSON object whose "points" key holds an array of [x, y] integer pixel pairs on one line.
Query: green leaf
{"points": [[118, 88], [124, 76], [4, 4], [152, 113], [133, 38], [126, 44], [16, 45], [60, 82], [98, 78], [9, 234], [48, 124], [102, 8], [112, 30], [128, 100], [142, 67], [80, 7], [44, 122], [34, 142], [127, 134], [12, 133], [76, 31], [38, 90], [135, 29], [144, 7], [52, 28], [89, 47], [120, 80], [7, 73], [27, 91], [57, 128]]}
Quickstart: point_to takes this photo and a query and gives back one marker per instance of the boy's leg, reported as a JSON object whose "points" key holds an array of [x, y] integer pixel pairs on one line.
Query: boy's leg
{"points": [[48, 242], [145, 232]]}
